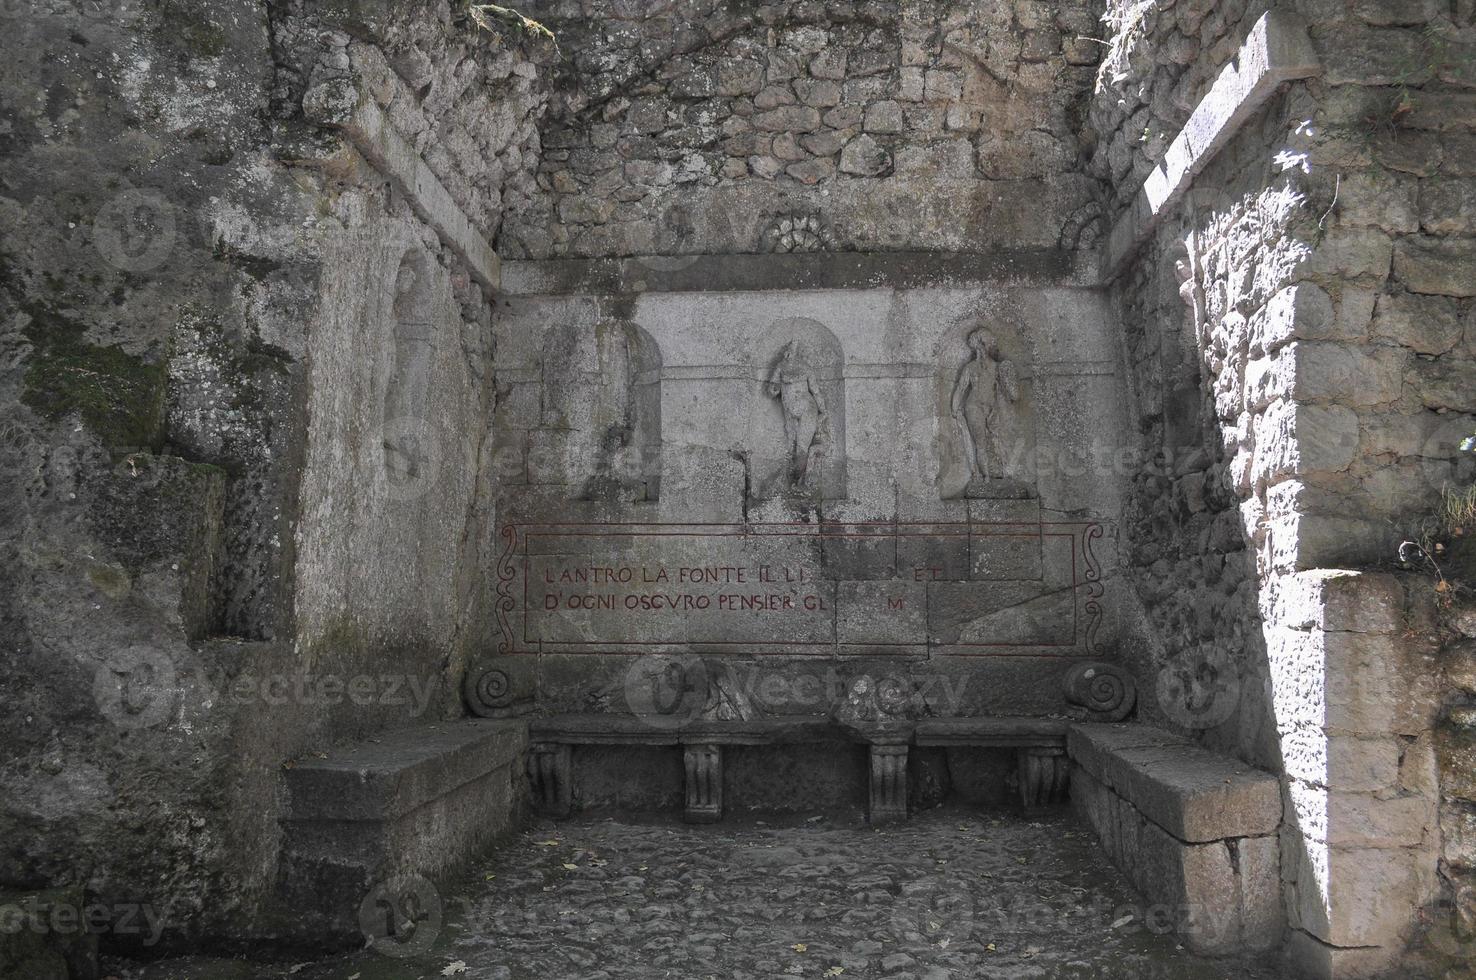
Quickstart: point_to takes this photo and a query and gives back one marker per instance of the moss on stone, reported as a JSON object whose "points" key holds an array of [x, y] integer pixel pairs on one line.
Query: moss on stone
{"points": [[187, 24], [120, 397], [1455, 747]]}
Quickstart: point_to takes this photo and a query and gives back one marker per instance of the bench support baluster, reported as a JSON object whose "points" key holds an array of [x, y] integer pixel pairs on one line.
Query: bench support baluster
{"points": [[551, 774], [704, 783], [1043, 773], [888, 783]]}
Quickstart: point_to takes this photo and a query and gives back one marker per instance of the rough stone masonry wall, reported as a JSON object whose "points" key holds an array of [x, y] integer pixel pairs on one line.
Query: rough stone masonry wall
{"points": [[1300, 343], [696, 126], [181, 362]]}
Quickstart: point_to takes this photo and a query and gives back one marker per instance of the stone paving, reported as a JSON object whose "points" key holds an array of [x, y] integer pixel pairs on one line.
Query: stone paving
{"points": [[950, 895]]}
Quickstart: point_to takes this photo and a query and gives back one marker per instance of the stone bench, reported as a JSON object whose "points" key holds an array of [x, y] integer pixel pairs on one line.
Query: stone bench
{"points": [[417, 801], [1040, 742], [1195, 831]]}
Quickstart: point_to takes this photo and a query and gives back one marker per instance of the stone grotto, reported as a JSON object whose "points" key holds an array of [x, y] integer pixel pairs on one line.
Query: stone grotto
{"points": [[683, 488]]}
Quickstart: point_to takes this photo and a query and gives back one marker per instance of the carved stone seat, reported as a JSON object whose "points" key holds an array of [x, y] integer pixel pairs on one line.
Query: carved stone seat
{"points": [[1040, 744]]}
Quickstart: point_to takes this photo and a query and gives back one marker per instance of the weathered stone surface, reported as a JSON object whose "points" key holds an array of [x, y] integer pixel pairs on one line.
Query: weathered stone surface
{"points": [[1436, 266], [864, 156], [1227, 892], [1191, 793]]}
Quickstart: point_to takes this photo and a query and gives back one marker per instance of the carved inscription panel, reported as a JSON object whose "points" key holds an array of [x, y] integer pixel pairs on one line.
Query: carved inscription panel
{"points": [[794, 589]]}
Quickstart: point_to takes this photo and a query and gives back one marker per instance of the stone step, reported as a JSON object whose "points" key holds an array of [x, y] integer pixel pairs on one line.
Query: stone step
{"points": [[401, 811]]}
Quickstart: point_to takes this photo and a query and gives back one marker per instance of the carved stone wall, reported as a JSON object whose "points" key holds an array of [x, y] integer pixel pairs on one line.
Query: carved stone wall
{"points": [[805, 439]]}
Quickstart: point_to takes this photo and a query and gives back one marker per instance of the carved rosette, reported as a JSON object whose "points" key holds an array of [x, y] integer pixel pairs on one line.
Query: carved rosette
{"points": [[1103, 692]]}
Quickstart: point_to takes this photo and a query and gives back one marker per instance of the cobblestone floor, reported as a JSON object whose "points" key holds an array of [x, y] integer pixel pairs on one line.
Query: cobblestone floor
{"points": [[951, 894]]}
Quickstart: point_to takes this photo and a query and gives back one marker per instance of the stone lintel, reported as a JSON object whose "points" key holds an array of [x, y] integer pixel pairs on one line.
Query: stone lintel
{"points": [[341, 106], [1191, 793], [1276, 51]]}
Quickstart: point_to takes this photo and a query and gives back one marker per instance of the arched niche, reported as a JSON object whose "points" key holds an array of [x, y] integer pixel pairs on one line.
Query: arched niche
{"points": [[412, 355], [604, 386], [797, 434]]}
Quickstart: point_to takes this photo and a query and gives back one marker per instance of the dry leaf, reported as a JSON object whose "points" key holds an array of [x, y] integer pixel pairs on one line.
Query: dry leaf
{"points": [[454, 969], [549, 843], [799, 947], [571, 867]]}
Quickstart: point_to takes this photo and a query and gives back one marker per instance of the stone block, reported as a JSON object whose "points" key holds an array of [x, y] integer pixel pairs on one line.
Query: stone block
{"points": [[418, 801], [1352, 897], [1448, 205], [789, 118], [1424, 324], [1293, 439], [1335, 599], [1351, 253], [1313, 959], [1435, 266], [1190, 792]]}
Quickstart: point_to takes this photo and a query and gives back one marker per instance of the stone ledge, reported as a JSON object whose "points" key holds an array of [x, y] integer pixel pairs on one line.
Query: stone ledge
{"points": [[377, 781], [1276, 51], [793, 271], [1193, 794]]}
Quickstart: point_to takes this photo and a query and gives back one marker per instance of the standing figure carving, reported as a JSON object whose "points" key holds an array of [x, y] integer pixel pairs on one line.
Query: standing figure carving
{"points": [[806, 420], [983, 406]]}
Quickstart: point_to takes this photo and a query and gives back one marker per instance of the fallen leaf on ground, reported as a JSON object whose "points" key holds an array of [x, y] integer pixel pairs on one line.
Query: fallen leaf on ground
{"points": [[454, 969], [549, 843], [799, 947], [571, 867]]}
